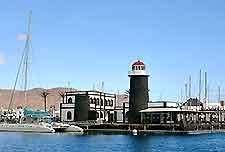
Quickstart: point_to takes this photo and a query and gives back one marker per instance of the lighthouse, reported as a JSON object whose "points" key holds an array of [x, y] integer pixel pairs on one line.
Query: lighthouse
{"points": [[138, 93]]}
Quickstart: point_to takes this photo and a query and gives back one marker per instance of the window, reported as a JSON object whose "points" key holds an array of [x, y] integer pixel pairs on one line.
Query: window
{"points": [[97, 101], [69, 115], [101, 102], [97, 115], [133, 67], [101, 115], [91, 101], [70, 100]]}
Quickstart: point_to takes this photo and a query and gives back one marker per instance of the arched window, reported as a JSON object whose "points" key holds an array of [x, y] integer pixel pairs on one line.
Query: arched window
{"points": [[98, 101], [101, 115], [111, 102], [101, 102], [90, 101], [69, 115], [95, 101], [97, 115], [70, 100]]}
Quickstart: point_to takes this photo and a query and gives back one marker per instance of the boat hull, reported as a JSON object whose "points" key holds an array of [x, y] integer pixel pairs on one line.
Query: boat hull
{"points": [[26, 128]]}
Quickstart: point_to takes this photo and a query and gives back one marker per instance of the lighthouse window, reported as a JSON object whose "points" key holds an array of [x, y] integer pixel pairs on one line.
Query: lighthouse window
{"points": [[142, 68], [133, 67]]}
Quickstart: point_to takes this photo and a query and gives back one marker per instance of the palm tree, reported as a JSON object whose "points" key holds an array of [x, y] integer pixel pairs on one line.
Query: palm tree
{"points": [[44, 95], [62, 94]]}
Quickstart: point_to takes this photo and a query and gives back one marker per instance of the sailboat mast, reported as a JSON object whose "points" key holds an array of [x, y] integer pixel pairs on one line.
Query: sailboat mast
{"points": [[26, 61]]}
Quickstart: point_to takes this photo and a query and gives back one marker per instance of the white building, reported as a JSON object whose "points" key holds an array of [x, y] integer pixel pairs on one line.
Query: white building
{"points": [[88, 105]]}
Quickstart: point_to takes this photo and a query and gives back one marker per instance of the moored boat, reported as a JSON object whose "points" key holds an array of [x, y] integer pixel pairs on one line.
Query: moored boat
{"points": [[40, 128]]}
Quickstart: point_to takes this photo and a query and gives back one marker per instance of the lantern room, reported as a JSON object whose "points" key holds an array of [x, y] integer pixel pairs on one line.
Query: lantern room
{"points": [[138, 68]]}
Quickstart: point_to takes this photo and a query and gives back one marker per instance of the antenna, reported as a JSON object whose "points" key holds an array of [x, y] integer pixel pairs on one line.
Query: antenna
{"points": [[93, 87], [181, 95], [186, 89], [189, 86], [219, 93], [200, 84], [102, 87], [206, 91]]}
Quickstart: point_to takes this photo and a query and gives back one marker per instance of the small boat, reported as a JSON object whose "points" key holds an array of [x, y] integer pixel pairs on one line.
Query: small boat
{"points": [[39, 128], [135, 132], [62, 127], [73, 128]]}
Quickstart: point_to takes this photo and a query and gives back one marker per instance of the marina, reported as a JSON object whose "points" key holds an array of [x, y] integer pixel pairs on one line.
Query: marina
{"points": [[112, 76]]}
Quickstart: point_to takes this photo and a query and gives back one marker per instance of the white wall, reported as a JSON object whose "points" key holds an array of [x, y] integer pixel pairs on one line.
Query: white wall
{"points": [[64, 114]]}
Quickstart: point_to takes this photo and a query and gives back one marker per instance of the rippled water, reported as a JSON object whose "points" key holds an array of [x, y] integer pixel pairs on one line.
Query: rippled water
{"points": [[27, 142]]}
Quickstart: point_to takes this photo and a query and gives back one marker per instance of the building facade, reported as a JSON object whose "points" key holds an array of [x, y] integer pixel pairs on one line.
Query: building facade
{"points": [[88, 105]]}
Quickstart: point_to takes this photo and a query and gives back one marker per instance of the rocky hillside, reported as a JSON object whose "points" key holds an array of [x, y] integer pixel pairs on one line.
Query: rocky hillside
{"points": [[35, 101]]}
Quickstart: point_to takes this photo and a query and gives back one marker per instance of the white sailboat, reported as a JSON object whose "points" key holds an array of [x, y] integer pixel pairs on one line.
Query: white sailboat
{"points": [[24, 126]]}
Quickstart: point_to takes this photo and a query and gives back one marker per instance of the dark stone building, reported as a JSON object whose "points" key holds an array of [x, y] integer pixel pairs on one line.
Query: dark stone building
{"points": [[138, 93]]}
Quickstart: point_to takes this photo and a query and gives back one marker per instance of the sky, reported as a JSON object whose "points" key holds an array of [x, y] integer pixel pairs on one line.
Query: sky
{"points": [[82, 43]]}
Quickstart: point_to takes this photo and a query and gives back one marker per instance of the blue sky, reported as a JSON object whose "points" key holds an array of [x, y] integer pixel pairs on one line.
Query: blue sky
{"points": [[86, 42]]}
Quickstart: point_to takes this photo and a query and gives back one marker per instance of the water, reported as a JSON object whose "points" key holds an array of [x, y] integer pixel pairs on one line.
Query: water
{"points": [[27, 142]]}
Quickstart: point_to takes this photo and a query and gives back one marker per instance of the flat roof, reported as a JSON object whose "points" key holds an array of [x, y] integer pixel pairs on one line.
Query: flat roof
{"points": [[164, 110]]}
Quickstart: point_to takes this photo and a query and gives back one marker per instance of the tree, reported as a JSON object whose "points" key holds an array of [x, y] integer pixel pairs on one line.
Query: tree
{"points": [[62, 94], [44, 95]]}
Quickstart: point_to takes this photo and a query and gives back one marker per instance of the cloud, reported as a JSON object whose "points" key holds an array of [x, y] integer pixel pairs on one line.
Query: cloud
{"points": [[2, 59], [21, 37]]}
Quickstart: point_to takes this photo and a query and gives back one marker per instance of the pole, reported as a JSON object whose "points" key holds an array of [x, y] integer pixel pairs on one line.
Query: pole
{"points": [[206, 91], [218, 93], [200, 87], [200, 84], [186, 94], [218, 103], [26, 61], [189, 86]]}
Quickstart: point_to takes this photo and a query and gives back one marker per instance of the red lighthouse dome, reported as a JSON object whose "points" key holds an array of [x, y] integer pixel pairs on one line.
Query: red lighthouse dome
{"points": [[138, 68], [138, 63]]}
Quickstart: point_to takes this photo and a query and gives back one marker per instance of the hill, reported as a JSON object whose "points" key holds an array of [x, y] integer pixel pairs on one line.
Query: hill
{"points": [[35, 101]]}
